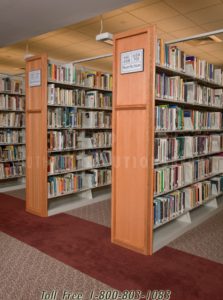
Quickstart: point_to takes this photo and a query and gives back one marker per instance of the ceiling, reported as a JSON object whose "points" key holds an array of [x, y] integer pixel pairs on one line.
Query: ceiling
{"points": [[174, 19], [23, 19]]}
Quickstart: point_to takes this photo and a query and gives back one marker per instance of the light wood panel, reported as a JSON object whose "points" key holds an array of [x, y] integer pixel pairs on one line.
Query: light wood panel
{"points": [[36, 139], [133, 142]]}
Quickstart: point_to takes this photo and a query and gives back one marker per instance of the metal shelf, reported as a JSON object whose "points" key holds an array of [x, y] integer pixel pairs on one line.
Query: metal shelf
{"points": [[188, 76], [81, 107], [11, 144], [79, 128], [78, 149], [187, 130], [78, 191], [186, 158], [193, 104], [71, 85], [12, 93], [78, 170]]}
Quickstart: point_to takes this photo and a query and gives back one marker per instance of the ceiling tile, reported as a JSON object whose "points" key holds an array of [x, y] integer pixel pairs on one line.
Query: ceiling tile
{"points": [[213, 25], [207, 15], [112, 13], [84, 23], [139, 4], [175, 23], [49, 43], [70, 35], [42, 36], [154, 12], [167, 36], [122, 22], [212, 47], [217, 54], [191, 5], [114, 24], [188, 31], [91, 30]]}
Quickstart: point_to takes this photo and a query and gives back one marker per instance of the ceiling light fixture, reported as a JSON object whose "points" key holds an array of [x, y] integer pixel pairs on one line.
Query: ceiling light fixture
{"points": [[27, 53], [105, 37]]}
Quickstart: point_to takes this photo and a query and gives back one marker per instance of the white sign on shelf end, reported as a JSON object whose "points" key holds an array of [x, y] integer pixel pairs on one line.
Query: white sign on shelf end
{"points": [[35, 78], [132, 61]]}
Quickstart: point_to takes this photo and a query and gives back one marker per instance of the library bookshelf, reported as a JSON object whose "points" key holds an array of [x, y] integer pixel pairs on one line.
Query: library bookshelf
{"points": [[167, 113], [68, 117], [12, 133]]}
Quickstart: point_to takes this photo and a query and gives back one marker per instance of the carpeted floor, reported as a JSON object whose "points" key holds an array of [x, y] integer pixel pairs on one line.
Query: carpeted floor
{"points": [[26, 272], [86, 246], [206, 240], [99, 213]]}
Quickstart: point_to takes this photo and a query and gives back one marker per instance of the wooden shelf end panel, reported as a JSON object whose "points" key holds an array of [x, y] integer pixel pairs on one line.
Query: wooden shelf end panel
{"points": [[36, 137], [133, 142]]}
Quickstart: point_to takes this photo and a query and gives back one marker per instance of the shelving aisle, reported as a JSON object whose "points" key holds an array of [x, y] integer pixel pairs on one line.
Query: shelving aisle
{"points": [[12, 133], [77, 149]]}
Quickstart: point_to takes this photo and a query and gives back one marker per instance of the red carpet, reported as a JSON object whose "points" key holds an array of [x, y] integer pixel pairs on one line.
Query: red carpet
{"points": [[86, 246]]}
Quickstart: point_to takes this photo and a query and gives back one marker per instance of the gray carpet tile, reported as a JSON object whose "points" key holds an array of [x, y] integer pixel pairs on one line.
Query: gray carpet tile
{"points": [[99, 213], [205, 240], [21, 194], [25, 272]]}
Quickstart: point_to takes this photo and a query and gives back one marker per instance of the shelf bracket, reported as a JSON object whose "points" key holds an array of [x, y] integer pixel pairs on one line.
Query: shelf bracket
{"points": [[212, 204], [185, 218], [86, 195]]}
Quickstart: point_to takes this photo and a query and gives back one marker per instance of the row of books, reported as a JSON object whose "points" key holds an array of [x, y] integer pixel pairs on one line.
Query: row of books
{"points": [[8, 153], [73, 117], [12, 169], [71, 161], [10, 84], [71, 139], [172, 57], [177, 175], [173, 148], [173, 117], [175, 88], [95, 139], [12, 102], [70, 183], [12, 136], [78, 97], [12, 119], [74, 74], [64, 117], [169, 206]]}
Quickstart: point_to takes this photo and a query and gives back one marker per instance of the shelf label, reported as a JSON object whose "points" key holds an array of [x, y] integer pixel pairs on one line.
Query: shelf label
{"points": [[132, 61], [34, 78]]}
